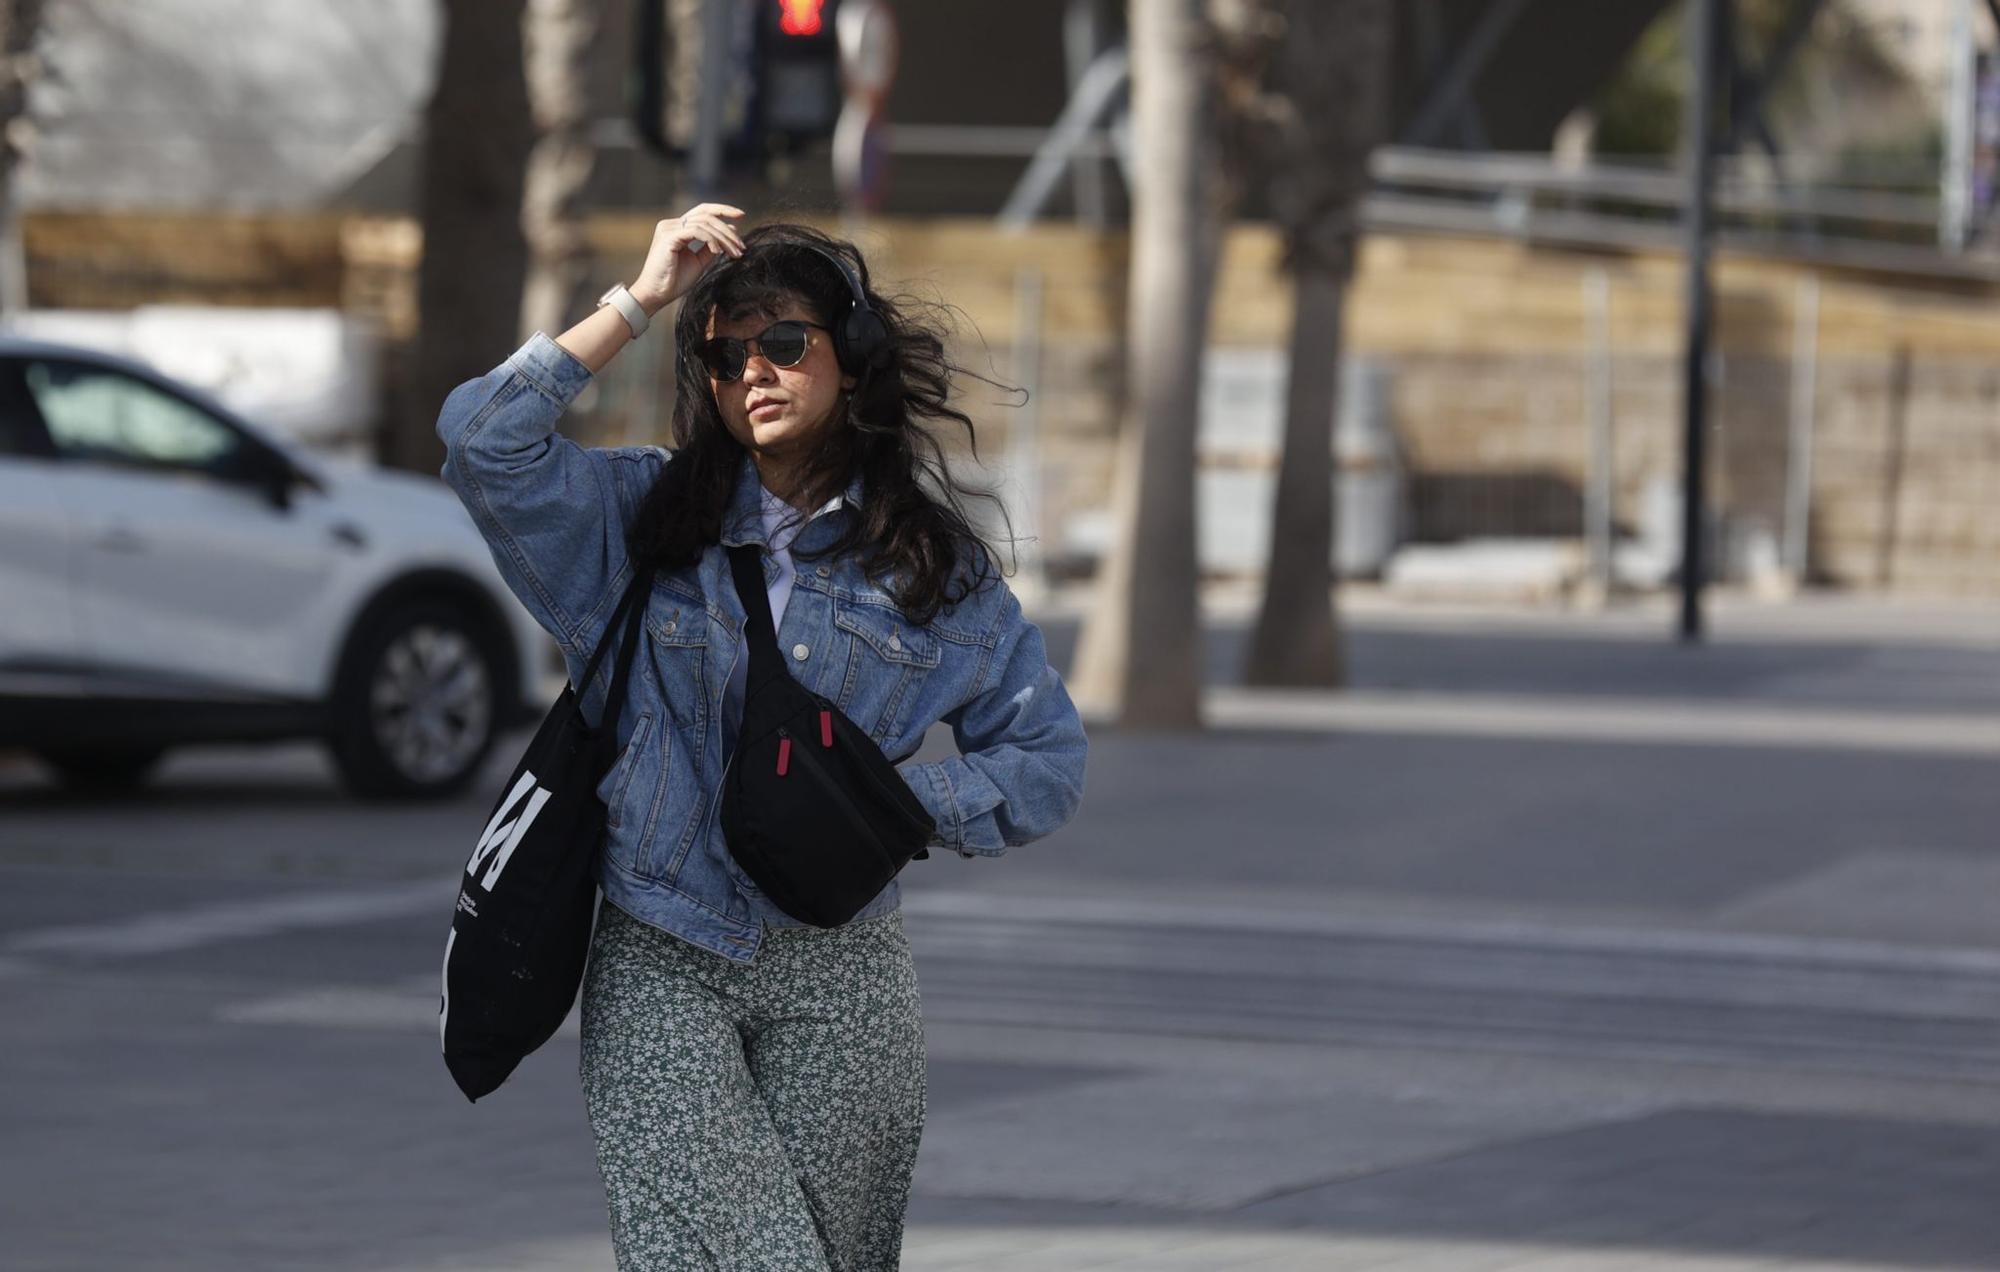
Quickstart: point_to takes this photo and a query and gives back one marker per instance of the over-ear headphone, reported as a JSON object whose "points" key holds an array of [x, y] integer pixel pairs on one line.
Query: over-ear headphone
{"points": [[860, 337]]}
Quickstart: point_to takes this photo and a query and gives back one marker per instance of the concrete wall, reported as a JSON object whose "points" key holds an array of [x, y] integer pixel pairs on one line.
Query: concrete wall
{"points": [[1492, 348]]}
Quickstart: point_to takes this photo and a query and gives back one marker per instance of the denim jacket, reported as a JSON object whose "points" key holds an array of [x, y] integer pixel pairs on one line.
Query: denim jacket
{"points": [[555, 515]]}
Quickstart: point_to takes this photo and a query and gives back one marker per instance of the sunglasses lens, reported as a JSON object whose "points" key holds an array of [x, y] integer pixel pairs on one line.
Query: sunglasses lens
{"points": [[724, 357], [784, 344]]}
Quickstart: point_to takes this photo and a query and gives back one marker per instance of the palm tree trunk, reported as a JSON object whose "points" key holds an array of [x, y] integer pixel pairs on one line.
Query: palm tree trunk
{"points": [[1139, 660], [477, 131], [1296, 641], [1331, 81], [561, 39], [20, 22]]}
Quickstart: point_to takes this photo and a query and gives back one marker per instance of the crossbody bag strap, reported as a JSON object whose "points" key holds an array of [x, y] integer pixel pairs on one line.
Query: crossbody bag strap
{"points": [[746, 567]]}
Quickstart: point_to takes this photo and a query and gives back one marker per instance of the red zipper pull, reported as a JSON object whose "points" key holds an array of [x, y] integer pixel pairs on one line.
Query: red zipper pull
{"points": [[784, 755], [826, 728]]}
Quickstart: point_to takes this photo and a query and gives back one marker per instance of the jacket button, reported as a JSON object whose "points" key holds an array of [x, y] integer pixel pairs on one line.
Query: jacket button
{"points": [[895, 640], [823, 572], [668, 627], [800, 651]]}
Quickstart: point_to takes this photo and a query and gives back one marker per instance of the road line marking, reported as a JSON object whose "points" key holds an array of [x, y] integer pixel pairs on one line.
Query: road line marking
{"points": [[352, 1007], [171, 931], [928, 903], [1654, 721]]}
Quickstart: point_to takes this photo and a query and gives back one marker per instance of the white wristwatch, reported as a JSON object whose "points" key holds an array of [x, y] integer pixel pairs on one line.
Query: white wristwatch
{"points": [[623, 301]]}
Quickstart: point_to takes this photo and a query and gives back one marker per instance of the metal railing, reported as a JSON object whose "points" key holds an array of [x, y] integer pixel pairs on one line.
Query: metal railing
{"points": [[1891, 220]]}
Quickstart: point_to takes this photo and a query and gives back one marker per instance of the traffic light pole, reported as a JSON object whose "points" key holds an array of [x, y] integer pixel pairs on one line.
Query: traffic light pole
{"points": [[705, 168], [1704, 19]]}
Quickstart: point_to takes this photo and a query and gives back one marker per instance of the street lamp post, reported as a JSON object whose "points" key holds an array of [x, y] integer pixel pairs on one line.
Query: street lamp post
{"points": [[706, 168], [1704, 22]]}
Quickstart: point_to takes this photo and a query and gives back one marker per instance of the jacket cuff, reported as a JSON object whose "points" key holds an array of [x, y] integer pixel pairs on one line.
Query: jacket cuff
{"points": [[954, 808], [932, 793], [550, 368]]}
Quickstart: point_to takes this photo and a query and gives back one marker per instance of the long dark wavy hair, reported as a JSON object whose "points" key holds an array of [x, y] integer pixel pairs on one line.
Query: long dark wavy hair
{"points": [[911, 532]]}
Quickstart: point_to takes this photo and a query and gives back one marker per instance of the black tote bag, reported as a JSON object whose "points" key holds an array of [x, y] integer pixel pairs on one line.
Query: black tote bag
{"points": [[520, 933]]}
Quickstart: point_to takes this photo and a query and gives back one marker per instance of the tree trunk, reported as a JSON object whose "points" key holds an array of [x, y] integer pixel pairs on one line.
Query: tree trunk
{"points": [[1139, 660], [20, 22], [1296, 640], [561, 41], [477, 131], [1331, 83]]}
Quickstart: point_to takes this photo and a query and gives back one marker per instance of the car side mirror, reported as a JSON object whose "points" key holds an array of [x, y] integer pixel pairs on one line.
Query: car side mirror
{"points": [[279, 481], [267, 471]]}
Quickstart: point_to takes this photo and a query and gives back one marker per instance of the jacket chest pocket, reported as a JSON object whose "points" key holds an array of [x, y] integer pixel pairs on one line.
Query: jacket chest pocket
{"points": [[888, 658]]}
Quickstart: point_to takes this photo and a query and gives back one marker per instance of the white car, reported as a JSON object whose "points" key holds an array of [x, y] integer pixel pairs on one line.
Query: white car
{"points": [[170, 575]]}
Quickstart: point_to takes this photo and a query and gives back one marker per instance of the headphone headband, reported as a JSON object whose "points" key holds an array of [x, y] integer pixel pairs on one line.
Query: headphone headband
{"points": [[839, 262]]}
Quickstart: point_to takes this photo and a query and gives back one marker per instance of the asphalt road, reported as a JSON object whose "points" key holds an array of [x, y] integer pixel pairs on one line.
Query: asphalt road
{"points": [[1486, 984]]}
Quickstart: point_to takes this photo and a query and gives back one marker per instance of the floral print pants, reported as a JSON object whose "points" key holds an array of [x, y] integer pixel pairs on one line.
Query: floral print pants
{"points": [[754, 1116]]}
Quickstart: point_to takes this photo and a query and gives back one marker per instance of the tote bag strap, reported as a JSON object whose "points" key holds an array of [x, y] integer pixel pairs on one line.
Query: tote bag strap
{"points": [[747, 569]]}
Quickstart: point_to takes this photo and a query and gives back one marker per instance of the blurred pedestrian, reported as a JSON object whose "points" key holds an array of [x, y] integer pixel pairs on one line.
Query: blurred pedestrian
{"points": [[756, 1083]]}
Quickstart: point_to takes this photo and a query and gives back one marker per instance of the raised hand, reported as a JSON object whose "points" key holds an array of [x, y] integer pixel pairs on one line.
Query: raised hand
{"points": [[683, 248]]}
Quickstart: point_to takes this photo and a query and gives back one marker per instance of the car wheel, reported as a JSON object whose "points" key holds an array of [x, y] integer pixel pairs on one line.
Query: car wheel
{"points": [[415, 707], [102, 768]]}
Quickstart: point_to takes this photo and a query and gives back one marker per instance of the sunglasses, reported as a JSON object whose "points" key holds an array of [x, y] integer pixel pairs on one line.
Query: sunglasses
{"points": [[782, 344]]}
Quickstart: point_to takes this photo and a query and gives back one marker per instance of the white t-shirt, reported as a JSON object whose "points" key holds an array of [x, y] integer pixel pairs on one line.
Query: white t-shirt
{"points": [[778, 593]]}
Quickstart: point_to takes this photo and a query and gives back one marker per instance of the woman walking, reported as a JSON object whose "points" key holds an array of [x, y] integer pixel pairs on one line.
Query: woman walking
{"points": [[755, 1083]]}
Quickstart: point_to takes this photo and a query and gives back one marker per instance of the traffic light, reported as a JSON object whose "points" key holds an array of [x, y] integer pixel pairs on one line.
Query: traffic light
{"points": [[781, 66], [798, 81]]}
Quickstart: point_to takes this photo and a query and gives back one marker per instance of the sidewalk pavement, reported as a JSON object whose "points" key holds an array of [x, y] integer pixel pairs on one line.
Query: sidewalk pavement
{"points": [[1809, 617]]}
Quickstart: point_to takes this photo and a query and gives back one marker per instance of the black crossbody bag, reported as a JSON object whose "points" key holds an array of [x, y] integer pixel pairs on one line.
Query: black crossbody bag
{"points": [[521, 928], [812, 810]]}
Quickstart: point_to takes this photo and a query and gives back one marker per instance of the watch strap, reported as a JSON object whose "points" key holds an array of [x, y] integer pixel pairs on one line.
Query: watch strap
{"points": [[621, 299]]}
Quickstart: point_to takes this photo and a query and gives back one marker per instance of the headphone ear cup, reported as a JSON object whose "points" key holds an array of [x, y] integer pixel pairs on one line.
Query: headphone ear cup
{"points": [[865, 338]]}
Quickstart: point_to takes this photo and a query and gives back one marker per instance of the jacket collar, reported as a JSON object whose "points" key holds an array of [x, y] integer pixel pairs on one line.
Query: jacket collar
{"points": [[744, 520]]}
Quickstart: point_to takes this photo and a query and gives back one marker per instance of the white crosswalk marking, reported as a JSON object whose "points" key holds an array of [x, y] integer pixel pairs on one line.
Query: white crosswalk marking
{"points": [[169, 931], [1646, 721], [1178, 969], [1679, 996]]}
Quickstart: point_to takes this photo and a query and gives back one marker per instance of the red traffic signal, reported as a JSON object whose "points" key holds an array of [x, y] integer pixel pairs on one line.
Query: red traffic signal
{"points": [[798, 70], [801, 17]]}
